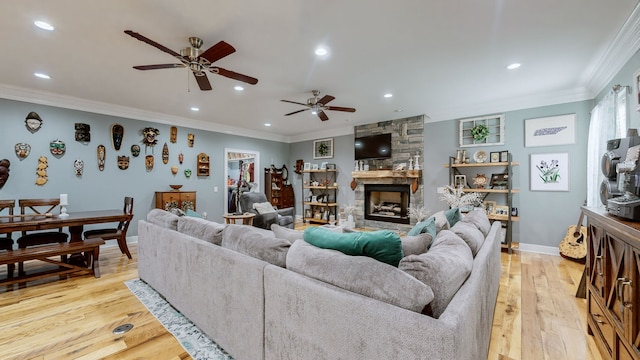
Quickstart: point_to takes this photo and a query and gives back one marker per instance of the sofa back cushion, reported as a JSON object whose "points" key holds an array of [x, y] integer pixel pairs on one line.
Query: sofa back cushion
{"points": [[163, 218], [426, 226], [470, 234], [359, 274], [284, 232], [478, 217], [255, 242], [444, 268], [202, 229], [416, 245], [382, 245]]}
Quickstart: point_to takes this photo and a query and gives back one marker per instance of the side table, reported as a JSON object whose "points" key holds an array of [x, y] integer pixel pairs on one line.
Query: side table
{"points": [[247, 218]]}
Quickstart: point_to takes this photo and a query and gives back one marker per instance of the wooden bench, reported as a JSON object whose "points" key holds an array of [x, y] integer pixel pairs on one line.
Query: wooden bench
{"points": [[90, 248]]}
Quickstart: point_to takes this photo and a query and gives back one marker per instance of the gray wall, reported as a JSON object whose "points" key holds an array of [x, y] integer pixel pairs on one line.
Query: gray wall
{"points": [[106, 189]]}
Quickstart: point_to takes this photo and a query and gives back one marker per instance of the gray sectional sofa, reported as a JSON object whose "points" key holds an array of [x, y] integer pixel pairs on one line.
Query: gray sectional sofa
{"points": [[262, 296]]}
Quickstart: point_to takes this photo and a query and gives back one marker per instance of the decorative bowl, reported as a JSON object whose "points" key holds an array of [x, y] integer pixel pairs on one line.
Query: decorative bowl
{"points": [[175, 187]]}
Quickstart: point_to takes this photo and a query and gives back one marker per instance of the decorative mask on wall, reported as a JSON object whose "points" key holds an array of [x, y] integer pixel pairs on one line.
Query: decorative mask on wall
{"points": [[57, 147], [135, 150], [165, 153], [4, 171], [148, 162], [149, 136], [41, 171], [23, 150], [180, 158], [78, 165], [117, 134], [187, 173], [299, 166], [101, 156], [174, 135], [33, 122], [83, 132], [190, 139], [123, 162], [174, 169]]}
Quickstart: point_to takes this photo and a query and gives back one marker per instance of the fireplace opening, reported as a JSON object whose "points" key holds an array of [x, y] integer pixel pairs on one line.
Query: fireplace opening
{"points": [[388, 203]]}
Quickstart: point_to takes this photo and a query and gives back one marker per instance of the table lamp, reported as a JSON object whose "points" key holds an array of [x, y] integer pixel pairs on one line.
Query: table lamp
{"points": [[64, 201]]}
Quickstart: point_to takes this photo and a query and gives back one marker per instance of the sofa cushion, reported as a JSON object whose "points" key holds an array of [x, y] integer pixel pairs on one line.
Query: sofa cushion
{"points": [[441, 221], [192, 213], [453, 216], [264, 208], [286, 233], [470, 234], [163, 218], [255, 242], [416, 245], [202, 229], [382, 245], [427, 226], [359, 274], [478, 217], [444, 268]]}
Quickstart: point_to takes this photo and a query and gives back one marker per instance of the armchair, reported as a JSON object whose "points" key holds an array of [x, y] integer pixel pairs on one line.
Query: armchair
{"points": [[282, 217]]}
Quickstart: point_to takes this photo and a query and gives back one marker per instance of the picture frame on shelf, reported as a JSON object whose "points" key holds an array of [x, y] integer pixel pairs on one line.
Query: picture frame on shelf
{"points": [[314, 166], [307, 213], [501, 210], [323, 165], [549, 131], [314, 199], [489, 207], [323, 148], [460, 181], [494, 156], [504, 156], [331, 166], [307, 166], [499, 181]]}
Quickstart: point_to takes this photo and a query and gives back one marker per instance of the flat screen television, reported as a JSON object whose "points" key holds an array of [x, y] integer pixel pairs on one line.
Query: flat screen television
{"points": [[373, 147]]}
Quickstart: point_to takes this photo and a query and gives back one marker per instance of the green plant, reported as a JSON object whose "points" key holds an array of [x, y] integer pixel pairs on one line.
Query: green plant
{"points": [[323, 149], [480, 132]]}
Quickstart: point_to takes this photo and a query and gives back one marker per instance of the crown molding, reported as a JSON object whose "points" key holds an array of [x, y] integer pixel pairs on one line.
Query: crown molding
{"points": [[73, 103]]}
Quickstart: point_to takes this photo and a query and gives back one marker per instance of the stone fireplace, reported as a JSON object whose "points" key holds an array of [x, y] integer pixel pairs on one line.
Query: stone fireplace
{"points": [[387, 202]]}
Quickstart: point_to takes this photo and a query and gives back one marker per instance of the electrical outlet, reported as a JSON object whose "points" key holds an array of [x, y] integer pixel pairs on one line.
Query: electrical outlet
{"points": [[440, 190]]}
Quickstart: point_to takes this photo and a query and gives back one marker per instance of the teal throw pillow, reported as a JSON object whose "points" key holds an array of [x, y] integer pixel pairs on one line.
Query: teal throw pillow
{"points": [[192, 213], [453, 216], [382, 245], [427, 226]]}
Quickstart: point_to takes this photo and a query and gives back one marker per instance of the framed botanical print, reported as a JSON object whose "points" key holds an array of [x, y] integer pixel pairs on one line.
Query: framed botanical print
{"points": [[323, 149]]}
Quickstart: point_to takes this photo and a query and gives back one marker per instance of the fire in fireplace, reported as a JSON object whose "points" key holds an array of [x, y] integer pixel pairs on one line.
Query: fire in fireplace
{"points": [[388, 203]]}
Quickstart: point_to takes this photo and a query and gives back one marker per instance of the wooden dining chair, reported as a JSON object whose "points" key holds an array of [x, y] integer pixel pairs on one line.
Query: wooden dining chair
{"points": [[6, 241], [35, 238], [119, 233]]}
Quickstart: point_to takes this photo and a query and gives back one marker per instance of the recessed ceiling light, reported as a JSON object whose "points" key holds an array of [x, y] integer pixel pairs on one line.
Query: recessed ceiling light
{"points": [[321, 51], [398, 110], [193, 108], [238, 88], [43, 25], [267, 124], [514, 66], [42, 76], [388, 95]]}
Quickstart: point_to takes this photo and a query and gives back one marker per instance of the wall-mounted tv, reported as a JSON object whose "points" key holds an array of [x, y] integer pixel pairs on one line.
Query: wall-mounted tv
{"points": [[373, 147]]}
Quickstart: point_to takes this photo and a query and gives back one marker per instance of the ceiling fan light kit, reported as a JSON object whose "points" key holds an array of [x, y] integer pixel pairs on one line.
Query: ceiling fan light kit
{"points": [[318, 105]]}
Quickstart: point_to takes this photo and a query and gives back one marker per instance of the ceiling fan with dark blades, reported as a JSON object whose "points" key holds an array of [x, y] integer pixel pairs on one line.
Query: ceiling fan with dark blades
{"points": [[196, 60], [318, 105]]}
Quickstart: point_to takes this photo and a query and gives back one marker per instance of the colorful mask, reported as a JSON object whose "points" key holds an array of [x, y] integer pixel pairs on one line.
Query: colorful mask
{"points": [[83, 133], [123, 162], [33, 122], [101, 156], [149, 136], [148, 161], [57, 147], [187, 173], [4, 171], [165, 154], [23, 150], [135, 150], [190, 139], [79, 166]]}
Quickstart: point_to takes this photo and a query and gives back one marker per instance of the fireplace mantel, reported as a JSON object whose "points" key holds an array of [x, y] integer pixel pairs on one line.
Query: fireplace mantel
{"points": [[381, 174]]}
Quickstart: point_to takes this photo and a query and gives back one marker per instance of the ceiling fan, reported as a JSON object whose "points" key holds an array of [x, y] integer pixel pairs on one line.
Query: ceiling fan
{"points": [[318, 105], [196, 60]]}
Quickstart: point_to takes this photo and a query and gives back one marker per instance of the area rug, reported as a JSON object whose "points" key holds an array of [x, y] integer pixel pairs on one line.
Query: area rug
{"points": [[194, 341]]}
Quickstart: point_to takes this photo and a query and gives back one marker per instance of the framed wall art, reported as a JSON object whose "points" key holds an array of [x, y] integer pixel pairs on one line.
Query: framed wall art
{"points": [[549, 172], [482, 131], [323, 148], [549, 131], [636, 89], [494, 156], [504, 156], [489, 207], [307, 166], [460, 181]]}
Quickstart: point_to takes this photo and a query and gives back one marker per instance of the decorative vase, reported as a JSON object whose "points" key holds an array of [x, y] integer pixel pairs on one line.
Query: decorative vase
{"points": [[458, 158]]}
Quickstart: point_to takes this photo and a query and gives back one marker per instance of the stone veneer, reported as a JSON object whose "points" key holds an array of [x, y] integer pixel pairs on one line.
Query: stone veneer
{"points": [[403, 147]]}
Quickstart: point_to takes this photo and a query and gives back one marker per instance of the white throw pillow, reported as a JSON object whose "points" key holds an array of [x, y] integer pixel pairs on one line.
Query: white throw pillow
{"points": [[264, 208]]}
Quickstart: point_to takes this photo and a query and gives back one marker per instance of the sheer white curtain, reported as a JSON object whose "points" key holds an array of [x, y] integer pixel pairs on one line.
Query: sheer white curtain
{"points": [[609, 120]]}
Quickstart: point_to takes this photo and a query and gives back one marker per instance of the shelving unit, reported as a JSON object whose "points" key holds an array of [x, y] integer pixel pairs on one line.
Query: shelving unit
{"points": [[278, 191], [507, 166], [319, 211], [203, 164]]}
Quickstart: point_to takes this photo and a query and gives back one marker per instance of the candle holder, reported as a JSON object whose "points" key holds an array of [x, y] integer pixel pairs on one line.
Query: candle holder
{"points": [[64, 201]]}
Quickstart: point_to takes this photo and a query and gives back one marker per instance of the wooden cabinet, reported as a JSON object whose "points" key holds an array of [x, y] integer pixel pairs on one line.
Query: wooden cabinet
{"points": [[613, 273], [203, 164], [320, 192], [277, 189], [183, 200], [503, 194]]}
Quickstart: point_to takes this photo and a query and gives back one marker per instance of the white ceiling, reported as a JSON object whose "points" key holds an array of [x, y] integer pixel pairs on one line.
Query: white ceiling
{"points": [[445, 59]]}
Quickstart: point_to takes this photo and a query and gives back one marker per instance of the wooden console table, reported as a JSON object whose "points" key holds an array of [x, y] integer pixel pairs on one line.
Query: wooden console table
{"points": [[247, 218]]}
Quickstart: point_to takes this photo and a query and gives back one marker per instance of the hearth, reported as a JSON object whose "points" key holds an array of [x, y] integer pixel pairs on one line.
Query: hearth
{"points": [[387, 202]]}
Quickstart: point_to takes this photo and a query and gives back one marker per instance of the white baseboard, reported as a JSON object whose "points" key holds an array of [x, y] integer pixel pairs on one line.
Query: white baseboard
{"points": [[540, 249]]}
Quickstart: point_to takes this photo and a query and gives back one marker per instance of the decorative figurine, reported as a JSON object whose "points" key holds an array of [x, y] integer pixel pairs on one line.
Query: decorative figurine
{"points": [[57, 147], [480, 181], [78, 165], [22, 150], [117, 134], [83, 132], [135, 150], [4, 171], [33, 122], [416, 162], [123, 162], [101, 156]]}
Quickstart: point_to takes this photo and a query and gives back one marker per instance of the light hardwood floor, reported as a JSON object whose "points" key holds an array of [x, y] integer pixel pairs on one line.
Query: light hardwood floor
{"points": [[537, 314]]}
